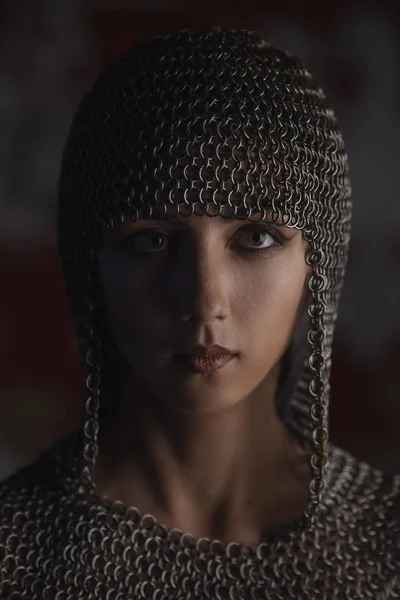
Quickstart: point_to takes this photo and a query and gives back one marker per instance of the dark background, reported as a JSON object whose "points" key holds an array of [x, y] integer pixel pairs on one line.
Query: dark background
{"points": [[50, 52]]}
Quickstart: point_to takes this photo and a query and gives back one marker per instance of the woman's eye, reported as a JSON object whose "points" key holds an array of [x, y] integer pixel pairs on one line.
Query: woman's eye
{"points": [[149, 241], [152, 241], [257, 239]]}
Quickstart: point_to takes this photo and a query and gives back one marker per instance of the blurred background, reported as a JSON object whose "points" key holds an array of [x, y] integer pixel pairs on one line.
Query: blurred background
{"points": [[50, 53]]}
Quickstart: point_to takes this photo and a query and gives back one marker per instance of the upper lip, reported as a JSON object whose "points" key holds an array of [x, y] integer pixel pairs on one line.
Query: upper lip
{"points": [[208, 351]]}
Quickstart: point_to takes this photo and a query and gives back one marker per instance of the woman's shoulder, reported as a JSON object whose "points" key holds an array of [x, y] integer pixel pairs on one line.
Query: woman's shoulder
{"points": [[359, 518], [35, 503], [37, 484], [362, 490]]}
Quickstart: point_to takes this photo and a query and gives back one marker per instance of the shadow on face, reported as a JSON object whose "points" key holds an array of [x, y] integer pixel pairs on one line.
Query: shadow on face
{"points": [[176, 282]]}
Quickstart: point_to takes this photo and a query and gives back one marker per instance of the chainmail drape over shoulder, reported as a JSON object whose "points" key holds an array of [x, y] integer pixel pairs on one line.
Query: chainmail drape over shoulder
{"points": [[215, 123]]}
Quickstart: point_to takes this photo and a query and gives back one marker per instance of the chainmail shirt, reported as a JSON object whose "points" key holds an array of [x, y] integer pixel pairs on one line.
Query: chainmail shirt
{"points": [[215, 123]]}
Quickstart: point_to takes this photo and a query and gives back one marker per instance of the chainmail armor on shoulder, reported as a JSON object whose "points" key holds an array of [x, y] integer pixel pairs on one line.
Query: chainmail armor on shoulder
{"points": [[214, 123]]}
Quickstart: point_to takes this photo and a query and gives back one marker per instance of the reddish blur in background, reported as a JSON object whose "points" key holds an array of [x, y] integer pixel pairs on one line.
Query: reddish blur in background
{"points": [[51, 50]]}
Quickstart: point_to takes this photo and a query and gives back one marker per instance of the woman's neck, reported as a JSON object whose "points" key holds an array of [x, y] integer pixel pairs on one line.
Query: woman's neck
{"points": [[234, 475]]}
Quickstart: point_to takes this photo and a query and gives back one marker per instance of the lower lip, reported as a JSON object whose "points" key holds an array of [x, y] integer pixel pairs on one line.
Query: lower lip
{"points": [[204, 364]]}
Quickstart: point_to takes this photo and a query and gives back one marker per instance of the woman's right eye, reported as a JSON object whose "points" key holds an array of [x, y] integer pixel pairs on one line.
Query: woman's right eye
{"points": [[148, 241]]}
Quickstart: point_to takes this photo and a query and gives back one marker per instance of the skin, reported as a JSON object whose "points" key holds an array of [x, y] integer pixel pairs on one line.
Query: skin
{"points": [[204, 453]]}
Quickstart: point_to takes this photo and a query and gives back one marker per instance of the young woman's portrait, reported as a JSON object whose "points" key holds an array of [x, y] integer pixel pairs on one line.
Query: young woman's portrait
{"points": [[204, 214]]}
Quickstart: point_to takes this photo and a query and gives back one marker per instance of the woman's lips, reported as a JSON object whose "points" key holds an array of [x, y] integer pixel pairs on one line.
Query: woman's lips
{"points": [[201, 363]]}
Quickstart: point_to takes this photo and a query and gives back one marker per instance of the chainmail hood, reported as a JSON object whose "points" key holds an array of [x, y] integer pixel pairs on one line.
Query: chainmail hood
{"points": [[214, 122]]}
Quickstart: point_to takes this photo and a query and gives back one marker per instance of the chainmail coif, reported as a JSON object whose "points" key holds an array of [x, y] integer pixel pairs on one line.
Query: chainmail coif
{"points": [[212, 122]]}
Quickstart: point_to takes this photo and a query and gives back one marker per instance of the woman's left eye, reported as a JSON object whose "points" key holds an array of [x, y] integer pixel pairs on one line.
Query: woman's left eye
{"points": [[258, 239], [147, 241]]}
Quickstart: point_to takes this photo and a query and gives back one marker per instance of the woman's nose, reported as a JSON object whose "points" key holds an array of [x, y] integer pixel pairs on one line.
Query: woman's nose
{"points": [[199, 284]]}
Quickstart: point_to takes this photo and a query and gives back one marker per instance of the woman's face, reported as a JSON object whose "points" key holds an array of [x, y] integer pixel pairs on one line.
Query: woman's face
{"points": [[176, 283]]}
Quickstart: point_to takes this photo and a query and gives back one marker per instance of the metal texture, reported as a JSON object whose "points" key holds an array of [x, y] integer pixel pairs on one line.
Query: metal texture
{"points": [[215, 123]]}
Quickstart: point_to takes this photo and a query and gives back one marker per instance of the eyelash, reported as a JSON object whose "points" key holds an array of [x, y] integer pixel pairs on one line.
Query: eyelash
{"points": [[278, 238]]}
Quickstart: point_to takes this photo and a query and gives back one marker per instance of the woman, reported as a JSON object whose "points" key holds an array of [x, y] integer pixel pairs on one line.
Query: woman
{"points": [[206, 343]]}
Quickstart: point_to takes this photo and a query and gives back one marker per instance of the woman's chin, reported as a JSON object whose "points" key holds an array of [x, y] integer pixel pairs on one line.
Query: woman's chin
{"points": [[201, 400]]}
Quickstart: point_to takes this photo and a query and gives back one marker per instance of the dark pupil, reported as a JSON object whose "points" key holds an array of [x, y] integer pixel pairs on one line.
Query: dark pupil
{"points": [[257, 237], [157, 239]]}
